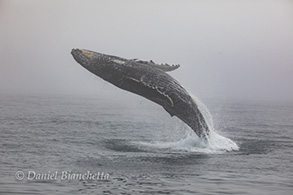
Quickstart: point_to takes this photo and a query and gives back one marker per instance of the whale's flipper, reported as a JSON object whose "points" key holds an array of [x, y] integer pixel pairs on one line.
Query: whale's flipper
{"points": [[153, 93], [163, 67]]}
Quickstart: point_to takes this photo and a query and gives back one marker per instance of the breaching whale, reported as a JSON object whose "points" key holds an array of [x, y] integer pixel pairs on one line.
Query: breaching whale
{"points": [[146, 79]]}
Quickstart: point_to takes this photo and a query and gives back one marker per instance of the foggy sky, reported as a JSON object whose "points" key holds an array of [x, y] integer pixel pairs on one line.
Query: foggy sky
{"points": [[227, 49]]}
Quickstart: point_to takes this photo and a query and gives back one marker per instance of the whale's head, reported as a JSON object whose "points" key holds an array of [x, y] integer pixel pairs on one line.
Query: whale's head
{"points": [[105, 66]]}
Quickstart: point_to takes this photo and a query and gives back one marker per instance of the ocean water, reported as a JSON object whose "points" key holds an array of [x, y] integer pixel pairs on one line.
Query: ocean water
{"points": [[89, 145]]}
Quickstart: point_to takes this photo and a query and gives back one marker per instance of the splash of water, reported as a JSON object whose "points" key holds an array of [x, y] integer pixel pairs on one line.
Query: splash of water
{"points": [[192, 143], [215, 140]]}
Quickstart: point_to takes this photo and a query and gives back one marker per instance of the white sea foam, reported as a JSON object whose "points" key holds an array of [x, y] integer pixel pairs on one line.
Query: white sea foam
{"points": [[216, 144]]}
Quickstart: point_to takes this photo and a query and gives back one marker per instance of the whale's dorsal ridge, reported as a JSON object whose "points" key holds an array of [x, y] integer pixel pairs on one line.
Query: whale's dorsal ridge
{"points": [[164, 67]]}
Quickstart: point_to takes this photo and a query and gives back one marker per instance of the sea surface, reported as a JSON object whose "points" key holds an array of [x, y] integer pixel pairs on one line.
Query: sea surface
{"points": [[92, 145]]}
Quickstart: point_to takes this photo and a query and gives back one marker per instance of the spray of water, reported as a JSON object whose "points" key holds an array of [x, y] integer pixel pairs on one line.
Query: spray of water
{"points": [[215, 140], [192, 143]]}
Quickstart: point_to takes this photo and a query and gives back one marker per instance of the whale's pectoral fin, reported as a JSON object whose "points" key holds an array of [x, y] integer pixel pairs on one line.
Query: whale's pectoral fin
{"points": [[152, 93], [163, 67]]}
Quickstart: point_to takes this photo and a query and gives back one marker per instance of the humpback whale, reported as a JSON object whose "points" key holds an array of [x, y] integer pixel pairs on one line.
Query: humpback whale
{"points": [[149, 80]]}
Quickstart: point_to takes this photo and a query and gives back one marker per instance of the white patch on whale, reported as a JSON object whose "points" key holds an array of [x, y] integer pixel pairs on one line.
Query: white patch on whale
{"points": [[118, 61]]}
